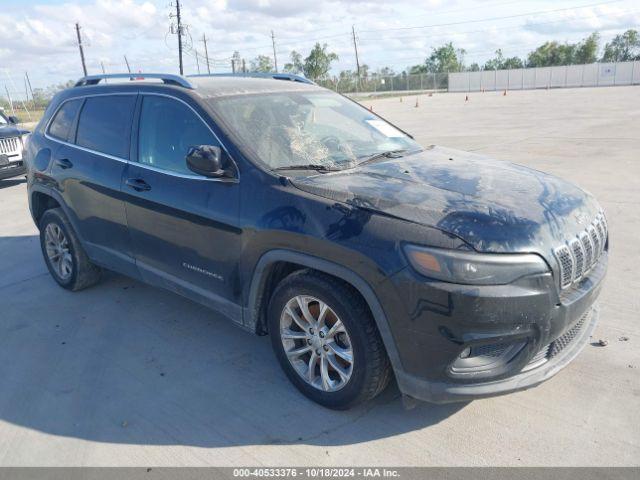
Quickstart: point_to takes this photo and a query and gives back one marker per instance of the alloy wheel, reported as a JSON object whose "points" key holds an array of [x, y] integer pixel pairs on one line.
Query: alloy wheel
{"points": [[58, 251], [316, 343]]}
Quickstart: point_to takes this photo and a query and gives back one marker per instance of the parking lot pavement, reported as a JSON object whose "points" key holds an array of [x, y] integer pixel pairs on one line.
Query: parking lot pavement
{"points": [[124, 374]]}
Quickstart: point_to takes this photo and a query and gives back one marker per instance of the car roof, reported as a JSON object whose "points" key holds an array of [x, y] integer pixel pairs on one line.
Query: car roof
{"points": [[199, 86], [223, 86]]}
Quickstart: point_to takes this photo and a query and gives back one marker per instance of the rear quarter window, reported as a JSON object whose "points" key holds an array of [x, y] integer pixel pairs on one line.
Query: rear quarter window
{"points": [[63, 120], [105, 124]]}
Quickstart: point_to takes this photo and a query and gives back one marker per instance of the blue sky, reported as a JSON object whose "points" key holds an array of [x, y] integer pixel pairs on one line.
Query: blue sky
{"points": [[38, 35]]}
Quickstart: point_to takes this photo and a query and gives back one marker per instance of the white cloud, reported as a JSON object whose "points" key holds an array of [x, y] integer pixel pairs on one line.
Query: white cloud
{"points": [[42, 39]]}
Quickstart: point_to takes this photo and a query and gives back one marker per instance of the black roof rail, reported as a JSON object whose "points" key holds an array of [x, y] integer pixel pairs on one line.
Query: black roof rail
{"points": [[277, 76], [167, 78]]}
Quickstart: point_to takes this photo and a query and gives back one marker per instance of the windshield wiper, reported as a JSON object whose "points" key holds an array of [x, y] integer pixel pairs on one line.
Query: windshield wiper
{"points": [[312, 166], [376, 156]]}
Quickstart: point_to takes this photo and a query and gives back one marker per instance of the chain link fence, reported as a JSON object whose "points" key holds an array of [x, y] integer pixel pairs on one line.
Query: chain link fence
{"points": [[378, 84]]}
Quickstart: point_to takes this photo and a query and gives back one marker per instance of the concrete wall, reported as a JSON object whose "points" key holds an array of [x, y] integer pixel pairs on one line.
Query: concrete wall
{"points": [[592, 75]]}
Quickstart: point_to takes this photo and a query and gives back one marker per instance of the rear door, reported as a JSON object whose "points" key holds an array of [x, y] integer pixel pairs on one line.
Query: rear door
{"points": [[93, 136], [183, 226]]}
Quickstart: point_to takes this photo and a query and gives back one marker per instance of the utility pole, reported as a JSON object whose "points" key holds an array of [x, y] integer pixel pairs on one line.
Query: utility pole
{"points": [[179, 20], [26, 75], [275, 57], [197, 62], [6, 89], [233, 65], [355, 46], [84, 65], [206, 52], [178, 31], [26, 89], [127, 62]]}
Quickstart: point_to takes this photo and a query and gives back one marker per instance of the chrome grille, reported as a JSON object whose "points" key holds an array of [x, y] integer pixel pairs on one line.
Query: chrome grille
{"points": [[603, 237], [587, 246], [595, 238], [10, 145], [603, 220], [563, 254], [581, 253], [578, 256]]}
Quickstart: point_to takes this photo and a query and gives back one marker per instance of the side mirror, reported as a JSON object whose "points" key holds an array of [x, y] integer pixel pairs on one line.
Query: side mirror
{"points": [[206, 160], [13, 120]]}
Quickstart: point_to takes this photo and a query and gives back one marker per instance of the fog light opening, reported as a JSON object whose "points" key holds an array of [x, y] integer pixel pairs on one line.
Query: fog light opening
{"points": [[485, 358]]}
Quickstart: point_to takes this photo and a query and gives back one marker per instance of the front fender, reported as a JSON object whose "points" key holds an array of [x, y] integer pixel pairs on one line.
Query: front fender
{"points": [[252, 310]]}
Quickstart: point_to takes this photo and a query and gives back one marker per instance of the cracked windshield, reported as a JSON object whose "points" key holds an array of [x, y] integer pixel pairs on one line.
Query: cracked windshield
{"points": [[310, 131]]}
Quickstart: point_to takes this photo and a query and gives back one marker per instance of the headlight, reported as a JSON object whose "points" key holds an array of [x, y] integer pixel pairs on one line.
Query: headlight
{"points": [[471, 268]]}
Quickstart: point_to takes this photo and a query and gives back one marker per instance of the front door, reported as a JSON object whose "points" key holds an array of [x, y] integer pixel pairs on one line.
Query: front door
{"points": [[183, 226]]}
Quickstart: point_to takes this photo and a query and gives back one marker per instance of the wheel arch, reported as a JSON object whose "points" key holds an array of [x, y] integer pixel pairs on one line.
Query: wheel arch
{"points": [[41, 202], [42, 199], [287, 262]]}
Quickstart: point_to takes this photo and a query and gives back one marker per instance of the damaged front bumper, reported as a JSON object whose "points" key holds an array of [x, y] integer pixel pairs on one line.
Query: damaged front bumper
{"points": [[459, 343], [443, 392]]}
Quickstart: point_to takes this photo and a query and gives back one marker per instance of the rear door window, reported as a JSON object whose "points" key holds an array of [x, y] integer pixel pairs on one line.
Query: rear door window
{"points": [[105, 124], [63, 120]]}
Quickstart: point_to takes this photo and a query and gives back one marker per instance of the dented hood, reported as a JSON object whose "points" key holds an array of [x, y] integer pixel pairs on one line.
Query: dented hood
{"points": [[494, 206]]}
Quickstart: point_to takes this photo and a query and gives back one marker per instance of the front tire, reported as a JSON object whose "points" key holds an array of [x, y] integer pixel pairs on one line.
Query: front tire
{"points": [[326, 340], [66, 260]]}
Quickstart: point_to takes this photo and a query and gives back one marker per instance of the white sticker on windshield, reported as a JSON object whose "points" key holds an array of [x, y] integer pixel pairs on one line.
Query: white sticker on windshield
{"points": [[385, 129]]}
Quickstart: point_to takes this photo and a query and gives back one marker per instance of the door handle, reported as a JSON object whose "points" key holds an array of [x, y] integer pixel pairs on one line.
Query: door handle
{"points": [[64, 163], [137, 184]]}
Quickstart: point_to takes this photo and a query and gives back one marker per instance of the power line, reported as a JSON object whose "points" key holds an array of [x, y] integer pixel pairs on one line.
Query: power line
{"points": [[540, 12], [484, 30]]}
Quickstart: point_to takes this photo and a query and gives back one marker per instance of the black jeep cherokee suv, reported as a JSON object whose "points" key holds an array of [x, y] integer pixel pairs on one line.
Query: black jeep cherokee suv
{"points": [[12, 143], [298, 213]]}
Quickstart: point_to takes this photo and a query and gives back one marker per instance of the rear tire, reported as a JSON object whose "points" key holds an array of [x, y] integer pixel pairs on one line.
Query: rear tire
{"points": [[347, 365], [63, 254]]}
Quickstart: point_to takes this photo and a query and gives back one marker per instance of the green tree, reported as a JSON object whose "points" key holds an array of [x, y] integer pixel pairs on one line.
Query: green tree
{"points": [[296, 65], [474, 67], [587, 50], [416, 69], [318, 63], [623, 48], [501, 63], [262, 64], [446, 58], [552, 54]]}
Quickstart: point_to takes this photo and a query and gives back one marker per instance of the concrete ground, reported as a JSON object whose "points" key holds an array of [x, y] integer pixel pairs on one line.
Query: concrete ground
{"points": [[124, 374]]}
